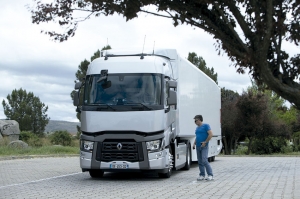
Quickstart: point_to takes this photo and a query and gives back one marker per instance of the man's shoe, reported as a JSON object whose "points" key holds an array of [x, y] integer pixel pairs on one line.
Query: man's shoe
{"points": [[209, 178], [200, 178]]}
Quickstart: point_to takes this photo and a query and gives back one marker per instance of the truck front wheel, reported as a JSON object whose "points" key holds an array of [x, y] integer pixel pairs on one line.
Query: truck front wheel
{"points": [[96, 173], [169, 172]]}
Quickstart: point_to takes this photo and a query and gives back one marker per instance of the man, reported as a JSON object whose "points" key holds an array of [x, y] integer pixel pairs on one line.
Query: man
{"points": [[203, 135]]}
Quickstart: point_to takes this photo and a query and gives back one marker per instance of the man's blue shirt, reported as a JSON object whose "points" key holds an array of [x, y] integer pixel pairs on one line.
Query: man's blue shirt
{"points": [[201, 133]]}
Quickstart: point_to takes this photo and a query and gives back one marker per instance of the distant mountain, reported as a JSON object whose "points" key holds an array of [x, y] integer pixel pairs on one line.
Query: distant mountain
{"points": [[57, 125]]}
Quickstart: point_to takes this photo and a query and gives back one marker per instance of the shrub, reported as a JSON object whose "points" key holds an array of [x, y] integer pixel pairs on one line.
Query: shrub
{"points": [[61, 138], [241, 150], [296, 141], [31, 139], [287, 149], [269, 145], [35, 141], [26, 135]]}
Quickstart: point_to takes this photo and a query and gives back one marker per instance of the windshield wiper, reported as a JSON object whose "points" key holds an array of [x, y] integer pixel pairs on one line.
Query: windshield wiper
{"points": [[104, 104], [145, 106]]}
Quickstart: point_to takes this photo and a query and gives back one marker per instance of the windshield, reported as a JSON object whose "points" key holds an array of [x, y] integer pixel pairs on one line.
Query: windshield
{"points": [[121, 89]]}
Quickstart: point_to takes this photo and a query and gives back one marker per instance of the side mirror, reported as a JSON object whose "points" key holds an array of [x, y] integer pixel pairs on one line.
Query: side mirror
{"points": [[78, 85], [172, 84], [172, 99], [103, 75], [106, 84], [76, 99]]}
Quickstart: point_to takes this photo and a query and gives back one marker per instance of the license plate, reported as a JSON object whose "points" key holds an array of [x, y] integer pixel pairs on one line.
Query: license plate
{"points": [[119, 166]]}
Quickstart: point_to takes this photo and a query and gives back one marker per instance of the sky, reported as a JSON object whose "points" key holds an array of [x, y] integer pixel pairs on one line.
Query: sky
{"points": [[32, 61]]}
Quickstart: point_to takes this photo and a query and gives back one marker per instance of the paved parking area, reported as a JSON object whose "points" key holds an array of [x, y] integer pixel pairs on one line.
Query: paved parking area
{"points": [[235, 177]]}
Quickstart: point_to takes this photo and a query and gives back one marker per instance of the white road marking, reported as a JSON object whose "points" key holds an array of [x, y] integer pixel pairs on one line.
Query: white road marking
{"points": [[11, 185]]}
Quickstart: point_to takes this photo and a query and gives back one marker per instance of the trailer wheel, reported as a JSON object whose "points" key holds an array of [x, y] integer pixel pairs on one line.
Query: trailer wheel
{"points": [[169, 172], [213, 158], [96, 173], [188, 158]]}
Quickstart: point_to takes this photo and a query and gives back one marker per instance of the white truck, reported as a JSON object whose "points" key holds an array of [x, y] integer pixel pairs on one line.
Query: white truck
{"points": [[137, 112]]}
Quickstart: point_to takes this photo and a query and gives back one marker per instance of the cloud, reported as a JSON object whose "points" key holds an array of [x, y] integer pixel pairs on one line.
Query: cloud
{"points": [[32, 61]]}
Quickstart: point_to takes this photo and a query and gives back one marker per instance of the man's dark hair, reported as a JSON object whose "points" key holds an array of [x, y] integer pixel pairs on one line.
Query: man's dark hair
{"points": [[199, 117]]}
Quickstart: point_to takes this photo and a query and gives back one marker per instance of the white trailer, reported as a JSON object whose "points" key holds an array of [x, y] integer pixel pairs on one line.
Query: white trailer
{"points": [[137, 112]]}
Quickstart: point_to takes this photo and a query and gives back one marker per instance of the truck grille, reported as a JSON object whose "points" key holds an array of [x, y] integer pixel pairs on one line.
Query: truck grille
{"points": [[112, 146], [119, 151]]}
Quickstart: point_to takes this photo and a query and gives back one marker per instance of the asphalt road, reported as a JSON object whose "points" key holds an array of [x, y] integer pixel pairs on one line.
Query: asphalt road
{"points": [[235, 177]]}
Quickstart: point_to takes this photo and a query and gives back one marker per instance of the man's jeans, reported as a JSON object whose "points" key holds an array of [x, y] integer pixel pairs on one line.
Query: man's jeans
{"points": [[202, 153]]}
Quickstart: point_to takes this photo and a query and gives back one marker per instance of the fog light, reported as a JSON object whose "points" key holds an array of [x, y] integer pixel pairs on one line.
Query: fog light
{"points": [[159, 155]]}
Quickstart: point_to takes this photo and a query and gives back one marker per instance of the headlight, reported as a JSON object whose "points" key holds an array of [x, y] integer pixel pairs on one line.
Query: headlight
{"points": [[87, 145], [153, 145]]}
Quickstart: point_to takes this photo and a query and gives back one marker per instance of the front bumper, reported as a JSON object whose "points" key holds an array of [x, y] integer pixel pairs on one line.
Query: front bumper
{"points": [[155, 161]]}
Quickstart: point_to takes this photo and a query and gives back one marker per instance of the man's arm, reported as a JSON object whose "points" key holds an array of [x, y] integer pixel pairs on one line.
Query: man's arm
{"points": [[210, 134]]}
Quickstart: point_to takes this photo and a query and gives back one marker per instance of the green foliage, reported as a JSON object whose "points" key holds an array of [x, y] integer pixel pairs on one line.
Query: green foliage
{"points": [[229, 113], [27, 110], [26, 135], [38, 146], [44, 150], [287, 149], [269, 145], [254, 115], [61, 138], [241, 150], [296, 141], [278, 108], [31, 139], [200, 63]]}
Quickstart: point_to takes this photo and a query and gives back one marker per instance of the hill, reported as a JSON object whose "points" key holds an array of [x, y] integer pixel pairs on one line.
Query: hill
{"points": [[57, 125]]}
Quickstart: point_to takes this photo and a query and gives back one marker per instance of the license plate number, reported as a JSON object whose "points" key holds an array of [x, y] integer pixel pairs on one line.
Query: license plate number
{"points": [[119, 166]]}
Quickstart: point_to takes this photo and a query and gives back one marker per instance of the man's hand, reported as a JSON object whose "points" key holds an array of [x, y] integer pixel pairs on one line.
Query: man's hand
{"points": [[194, 146]]}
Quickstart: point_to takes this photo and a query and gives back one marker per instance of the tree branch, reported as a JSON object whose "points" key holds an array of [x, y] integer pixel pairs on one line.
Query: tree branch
{"points": [[231, 28]]}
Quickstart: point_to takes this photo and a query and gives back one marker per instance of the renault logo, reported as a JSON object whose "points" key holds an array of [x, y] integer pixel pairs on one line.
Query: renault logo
{"points": [[119, 146]]}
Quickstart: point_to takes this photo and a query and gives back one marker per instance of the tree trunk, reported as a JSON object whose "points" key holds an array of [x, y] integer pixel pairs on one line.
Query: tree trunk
{"points": [[249, 146], [225, 145]]}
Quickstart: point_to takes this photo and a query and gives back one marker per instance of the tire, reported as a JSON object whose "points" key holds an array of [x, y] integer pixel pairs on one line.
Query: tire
{"points": [[188, 162], [213, 158], [96, 173], [209, 159], [169, 172]]}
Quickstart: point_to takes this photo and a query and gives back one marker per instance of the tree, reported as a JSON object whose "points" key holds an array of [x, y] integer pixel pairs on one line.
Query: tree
{"points": [[81, 73], [230, 134], [251, 115], [27, 110], [250, 32], [201, 64], [259, 121]]}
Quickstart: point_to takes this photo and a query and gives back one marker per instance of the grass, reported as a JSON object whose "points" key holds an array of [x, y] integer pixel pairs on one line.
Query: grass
{"points": [[242, 150], [44, 150], [44, 147]]}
